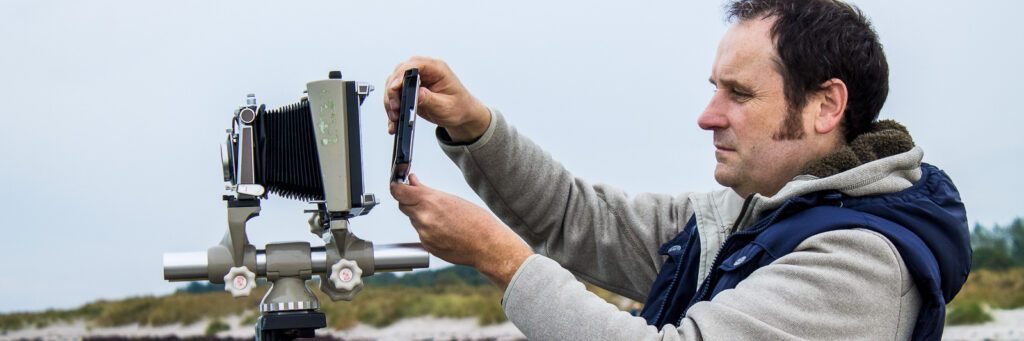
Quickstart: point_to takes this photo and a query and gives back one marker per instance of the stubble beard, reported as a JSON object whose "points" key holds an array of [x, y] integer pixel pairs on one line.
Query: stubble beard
{"points": [[792, 127]]}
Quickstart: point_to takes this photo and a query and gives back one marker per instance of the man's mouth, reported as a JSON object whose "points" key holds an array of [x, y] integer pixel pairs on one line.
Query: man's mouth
{"points": [[724, 149]]}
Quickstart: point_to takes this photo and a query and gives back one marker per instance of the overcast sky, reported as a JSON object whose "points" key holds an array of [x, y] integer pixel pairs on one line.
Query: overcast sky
{"points": [[113, 111]]}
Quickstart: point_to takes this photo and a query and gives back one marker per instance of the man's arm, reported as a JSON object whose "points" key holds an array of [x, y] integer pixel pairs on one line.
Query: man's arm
{"points": [[599, 232], [460, 232], [840, 285]]}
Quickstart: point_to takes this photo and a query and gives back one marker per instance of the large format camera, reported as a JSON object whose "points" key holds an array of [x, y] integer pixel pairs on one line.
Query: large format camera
{"points": [[309, 151]]}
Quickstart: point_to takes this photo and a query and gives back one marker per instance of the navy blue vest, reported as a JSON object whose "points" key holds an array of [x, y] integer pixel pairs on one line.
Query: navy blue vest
{"points": [[675, 290]]}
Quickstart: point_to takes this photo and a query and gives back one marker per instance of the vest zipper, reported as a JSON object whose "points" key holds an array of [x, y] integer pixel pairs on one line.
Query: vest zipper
{"points": [[718, 254], [743, 212], [753, 230]]}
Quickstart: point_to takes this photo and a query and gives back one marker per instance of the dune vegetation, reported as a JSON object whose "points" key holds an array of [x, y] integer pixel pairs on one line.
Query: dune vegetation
{"points": [[986, 289], [996, 282], [450, 292], [997, 274], [456, 292]]}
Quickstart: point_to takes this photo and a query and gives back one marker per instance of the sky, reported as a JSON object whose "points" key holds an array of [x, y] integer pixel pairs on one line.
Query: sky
{"points": [[112, 112]]}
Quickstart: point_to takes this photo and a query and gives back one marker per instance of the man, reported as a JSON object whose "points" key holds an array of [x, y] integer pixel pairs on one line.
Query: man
{"points": [[830, 228]]}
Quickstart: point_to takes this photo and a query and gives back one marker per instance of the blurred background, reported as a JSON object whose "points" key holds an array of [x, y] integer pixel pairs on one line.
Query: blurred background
{"points": [[113, 112]]}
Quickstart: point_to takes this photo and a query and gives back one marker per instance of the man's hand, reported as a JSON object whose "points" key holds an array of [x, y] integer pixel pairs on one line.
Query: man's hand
{"points": [[460, 232], [441, 99]]}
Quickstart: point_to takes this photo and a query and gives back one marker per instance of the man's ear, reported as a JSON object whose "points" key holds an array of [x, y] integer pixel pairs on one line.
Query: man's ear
{"points": [[833, 104]]}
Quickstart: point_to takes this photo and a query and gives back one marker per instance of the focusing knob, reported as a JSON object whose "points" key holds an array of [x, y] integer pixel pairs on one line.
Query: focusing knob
{"points": [[334, 75], [239, 281], [346, 275]]}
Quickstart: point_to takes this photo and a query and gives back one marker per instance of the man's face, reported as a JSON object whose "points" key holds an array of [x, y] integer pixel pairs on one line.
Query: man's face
{"points": [[747, 113]]}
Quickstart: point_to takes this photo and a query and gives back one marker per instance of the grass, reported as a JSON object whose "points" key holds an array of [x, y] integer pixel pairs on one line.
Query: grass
{"points": [[1003, 289], [216, 326], [382, 306], [249, 319], [373, 306], [147, 310], [973, 312]]}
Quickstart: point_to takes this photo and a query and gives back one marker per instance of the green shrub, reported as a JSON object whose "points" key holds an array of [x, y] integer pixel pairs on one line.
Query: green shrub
{"points": [[249, 319], [968, 313], [11, 322], [216, 326], [491, 314], [1000, 289], [456, 292]]}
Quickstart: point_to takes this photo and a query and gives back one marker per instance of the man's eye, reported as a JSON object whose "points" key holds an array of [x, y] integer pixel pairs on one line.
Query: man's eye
{"points": [[741, 95]]}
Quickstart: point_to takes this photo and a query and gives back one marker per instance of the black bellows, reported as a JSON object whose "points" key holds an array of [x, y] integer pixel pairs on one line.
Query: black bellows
{"points": [[286, 156]]}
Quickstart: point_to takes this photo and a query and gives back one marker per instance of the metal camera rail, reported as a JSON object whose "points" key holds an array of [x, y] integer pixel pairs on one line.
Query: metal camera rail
{"points": [[193, 266]]}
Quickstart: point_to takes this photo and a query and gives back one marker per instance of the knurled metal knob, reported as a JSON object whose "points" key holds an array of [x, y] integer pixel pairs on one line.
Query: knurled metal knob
{"points": [[239, 281], [346, 275]]}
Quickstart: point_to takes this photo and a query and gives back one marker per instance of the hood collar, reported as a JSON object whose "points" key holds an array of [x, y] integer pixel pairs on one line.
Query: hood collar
{"points": [[882, 160], [884, 138]]}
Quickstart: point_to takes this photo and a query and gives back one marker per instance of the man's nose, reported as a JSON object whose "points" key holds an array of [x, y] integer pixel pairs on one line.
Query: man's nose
{"points": [[713, 116]]}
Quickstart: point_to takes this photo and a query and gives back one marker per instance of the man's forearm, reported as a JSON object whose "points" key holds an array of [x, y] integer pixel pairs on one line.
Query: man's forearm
{"points": [[503, 261]]}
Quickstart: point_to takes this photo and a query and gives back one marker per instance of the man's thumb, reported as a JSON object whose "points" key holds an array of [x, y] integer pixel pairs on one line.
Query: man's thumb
{"points": [[415, 181], [427, 99], [408, 194]]}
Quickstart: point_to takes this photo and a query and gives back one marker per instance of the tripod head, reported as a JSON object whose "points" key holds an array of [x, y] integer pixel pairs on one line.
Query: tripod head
{"points": [[309, 151]]}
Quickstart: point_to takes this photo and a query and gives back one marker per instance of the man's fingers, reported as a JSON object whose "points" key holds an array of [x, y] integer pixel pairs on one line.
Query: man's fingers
{"points": [[394, 102], [396, 82], [411, 194], [390, 108], [432, 70], [400, 192], [392, 87], [430, 104], [399, 70], [425, 98], [414, 181], [393, 84]]}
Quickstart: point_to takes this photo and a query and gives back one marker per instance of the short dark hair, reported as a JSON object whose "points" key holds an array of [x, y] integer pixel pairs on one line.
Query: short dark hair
{"points": [[817, 40]]}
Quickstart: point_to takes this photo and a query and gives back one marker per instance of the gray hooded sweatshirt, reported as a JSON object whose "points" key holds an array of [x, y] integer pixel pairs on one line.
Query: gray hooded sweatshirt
{"points": [[604, 236]]}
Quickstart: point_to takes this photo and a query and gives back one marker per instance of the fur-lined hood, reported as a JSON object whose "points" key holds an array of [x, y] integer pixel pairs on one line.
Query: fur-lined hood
{"points": [[882, 160]]}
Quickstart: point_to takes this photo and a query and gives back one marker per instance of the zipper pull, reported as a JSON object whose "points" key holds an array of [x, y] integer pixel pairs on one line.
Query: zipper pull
{"points": [[743, 212]]}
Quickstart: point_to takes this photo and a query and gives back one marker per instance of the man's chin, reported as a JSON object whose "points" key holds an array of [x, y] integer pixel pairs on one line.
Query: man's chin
{"points": [[724, 176]]}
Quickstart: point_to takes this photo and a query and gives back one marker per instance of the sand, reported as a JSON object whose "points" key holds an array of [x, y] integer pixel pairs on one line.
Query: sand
{"points": [[1008, 325], [419, 328]]}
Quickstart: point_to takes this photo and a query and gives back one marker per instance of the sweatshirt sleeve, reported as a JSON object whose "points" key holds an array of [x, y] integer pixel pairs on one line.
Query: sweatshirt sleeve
{"points": [[598, 232], [839, 285]]}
